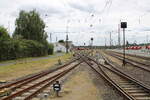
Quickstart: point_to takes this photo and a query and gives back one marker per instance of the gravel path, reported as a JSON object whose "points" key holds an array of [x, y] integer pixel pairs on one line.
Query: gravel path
{"points": [[84, 84]]}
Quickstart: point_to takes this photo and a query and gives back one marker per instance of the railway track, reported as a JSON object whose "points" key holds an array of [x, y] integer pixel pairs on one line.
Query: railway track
{"points": [[143, 61], [138, 64], [128, 86], [34, 76], [27, 88], [137, 56]]}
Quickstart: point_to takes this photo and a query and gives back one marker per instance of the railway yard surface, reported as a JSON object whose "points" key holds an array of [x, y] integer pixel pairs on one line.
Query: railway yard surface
{"points": [[74, 49], [145, 53], [88, 75]]}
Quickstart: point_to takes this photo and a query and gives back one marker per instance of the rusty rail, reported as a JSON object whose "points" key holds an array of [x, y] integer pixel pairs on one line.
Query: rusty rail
{"points": [[129, 79], [48, 84], [134, 63], [51, 79], [33, 77]]}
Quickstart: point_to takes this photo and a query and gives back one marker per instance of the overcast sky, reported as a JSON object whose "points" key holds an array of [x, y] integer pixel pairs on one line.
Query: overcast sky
{"points": [[84, 18]]}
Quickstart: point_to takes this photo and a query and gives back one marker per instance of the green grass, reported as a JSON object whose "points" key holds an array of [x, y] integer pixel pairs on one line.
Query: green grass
{"points": [[24, 68], [23, 59]]}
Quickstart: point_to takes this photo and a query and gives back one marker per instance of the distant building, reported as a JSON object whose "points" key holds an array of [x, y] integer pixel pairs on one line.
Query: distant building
{"points": [[61, 47]]}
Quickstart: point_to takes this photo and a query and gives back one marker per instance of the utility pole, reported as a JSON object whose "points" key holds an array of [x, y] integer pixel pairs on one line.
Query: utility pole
{"points": [[124, 46], [110, 40], [124, 25], [56, 38], [84, 47], [67, 46], [50, 37], [147, 40], [119, 35], [105, 42]]}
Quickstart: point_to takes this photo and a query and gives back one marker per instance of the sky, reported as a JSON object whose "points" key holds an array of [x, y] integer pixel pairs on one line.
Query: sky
{"points": [[83, 19]]}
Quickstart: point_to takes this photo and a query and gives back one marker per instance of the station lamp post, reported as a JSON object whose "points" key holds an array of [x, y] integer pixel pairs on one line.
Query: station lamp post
{"points": [[92, 45], [123, 26], [91, 42]]}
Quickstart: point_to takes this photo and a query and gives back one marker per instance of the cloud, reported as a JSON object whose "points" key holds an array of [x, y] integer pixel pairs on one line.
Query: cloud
{"points": [[43, 9], [83, 7], [107, 14]]}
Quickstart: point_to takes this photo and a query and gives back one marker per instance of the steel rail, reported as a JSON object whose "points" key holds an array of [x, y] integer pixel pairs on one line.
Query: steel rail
{"points": [[134, 63], [48, 84], [35, 85], [109, 80], [142, 57], [129, 79], [34, 77], [127, 76], [145, 88], [129, 59]]}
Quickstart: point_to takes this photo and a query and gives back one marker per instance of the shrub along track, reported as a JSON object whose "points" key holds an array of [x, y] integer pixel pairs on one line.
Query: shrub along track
{"points": [[27, 88], [128, 86]]}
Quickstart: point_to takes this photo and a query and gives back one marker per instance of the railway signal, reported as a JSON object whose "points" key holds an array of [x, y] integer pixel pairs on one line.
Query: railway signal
{"points": [[124, 25], [57, 88]]}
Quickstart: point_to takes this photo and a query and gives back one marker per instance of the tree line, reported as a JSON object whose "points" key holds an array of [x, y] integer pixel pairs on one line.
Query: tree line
{"points": [[28, 40]]}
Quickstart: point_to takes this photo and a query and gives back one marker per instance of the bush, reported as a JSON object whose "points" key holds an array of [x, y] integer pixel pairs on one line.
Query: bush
{"points": [[3, 34], [61, 41], [12, 49], [50, 49], [30, 48]]}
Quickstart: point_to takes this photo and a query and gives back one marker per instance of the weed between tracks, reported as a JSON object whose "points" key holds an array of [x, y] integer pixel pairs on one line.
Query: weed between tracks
{"points": [[84, 84]]}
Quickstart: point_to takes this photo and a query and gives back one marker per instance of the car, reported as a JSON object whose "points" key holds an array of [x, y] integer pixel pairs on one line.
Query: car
{"points": [[148, 47]]}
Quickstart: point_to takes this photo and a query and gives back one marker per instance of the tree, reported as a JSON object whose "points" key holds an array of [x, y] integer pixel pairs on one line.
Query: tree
{"points": [[127, 43], [61, 41], [3, 33], [4, 43], [50, 49], [29, 38], [30, 26]]}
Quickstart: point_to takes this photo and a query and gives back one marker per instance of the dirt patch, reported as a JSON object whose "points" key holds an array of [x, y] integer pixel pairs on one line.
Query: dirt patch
{"points": [[79, 87], [84, 84]]}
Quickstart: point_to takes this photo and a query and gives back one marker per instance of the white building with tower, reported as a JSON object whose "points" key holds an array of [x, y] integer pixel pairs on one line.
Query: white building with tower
{"points": [[61, 47]]}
